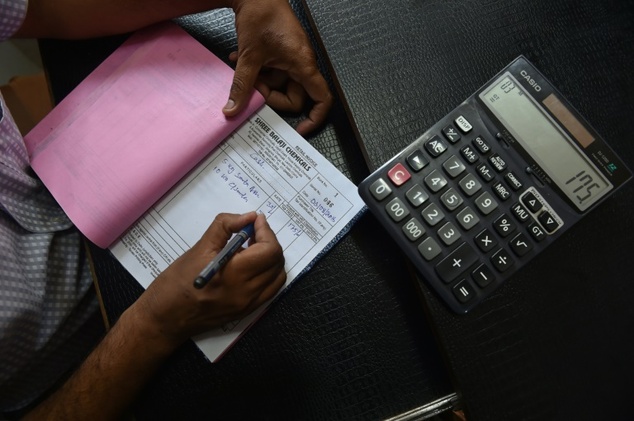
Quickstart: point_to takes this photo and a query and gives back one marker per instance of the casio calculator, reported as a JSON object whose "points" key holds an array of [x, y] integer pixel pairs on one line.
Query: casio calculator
{"points": [[492, 184]]}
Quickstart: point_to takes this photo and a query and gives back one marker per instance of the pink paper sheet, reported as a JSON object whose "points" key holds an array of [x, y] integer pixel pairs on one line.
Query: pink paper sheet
{"points": [[134, 127]]}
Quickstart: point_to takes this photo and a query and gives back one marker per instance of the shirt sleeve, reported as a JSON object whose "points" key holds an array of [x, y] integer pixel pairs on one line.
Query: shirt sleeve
{"points": [[12, 13]]}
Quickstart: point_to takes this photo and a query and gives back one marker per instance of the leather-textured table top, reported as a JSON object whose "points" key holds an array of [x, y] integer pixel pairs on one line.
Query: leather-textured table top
{"points": [[349, 340], [555, 341]]}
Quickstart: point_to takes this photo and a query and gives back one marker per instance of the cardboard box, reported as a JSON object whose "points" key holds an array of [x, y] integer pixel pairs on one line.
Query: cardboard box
{"points": [[29, 100]]}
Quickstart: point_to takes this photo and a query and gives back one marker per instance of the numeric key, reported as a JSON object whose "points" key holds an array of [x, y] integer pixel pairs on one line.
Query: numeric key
{"points": [[470, 185], [435, 181], [467, 218], [451, 199], [432, 214], [453, 166], [413, 229], [396, 209], [416, 195], [448, 234], [486, 203], [380, 189]]}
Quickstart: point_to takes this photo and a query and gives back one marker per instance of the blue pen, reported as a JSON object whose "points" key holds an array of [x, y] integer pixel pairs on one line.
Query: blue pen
{"points": [[223, 257]]}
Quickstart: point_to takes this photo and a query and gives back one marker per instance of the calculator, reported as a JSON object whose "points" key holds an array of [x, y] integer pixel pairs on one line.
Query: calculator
{"points": [[492, 185]]}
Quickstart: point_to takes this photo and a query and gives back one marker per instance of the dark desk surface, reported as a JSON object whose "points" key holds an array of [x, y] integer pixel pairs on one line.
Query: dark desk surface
{"points": [[554, 342], [347, 341]]}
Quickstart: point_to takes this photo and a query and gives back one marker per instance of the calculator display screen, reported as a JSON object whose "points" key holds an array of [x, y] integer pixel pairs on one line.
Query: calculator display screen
{"points": [[545, 142]]}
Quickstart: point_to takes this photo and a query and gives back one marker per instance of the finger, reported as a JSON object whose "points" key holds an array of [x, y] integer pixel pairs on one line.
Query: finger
{"points": [[292, 100], [237, 222], [268, 290], [315, 118], [221, 230], [249, 288], [271, 289], [263, 231], [317, 89], [274, 79], [262, 255], [244, 78]]}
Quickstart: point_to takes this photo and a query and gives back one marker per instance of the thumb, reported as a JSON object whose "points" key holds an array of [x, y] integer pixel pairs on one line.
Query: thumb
{"points": [[242, 86]]}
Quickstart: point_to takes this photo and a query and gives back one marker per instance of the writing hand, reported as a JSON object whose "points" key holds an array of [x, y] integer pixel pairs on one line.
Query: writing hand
{"points": [[177, 310], [275, 56]]}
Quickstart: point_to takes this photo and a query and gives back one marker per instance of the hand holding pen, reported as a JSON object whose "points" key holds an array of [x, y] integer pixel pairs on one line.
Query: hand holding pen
{"points": [[225, 254], [248, 279]]}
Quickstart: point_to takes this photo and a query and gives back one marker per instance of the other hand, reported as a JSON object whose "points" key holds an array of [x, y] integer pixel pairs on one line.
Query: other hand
{"points": [[275, 55]]}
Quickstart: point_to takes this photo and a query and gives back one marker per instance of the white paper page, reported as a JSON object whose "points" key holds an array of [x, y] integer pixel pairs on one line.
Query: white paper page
{"points": [[264, 166]]}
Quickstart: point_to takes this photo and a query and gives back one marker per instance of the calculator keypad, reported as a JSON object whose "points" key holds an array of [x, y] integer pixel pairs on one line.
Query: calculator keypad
{"points": [[468, 215]]}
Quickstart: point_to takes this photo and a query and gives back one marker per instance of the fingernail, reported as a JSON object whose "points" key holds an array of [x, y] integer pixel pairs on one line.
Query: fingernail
{"points": [[230, 104]]}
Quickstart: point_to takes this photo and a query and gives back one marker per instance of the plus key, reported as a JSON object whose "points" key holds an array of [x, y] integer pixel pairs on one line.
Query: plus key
{"points": [[457, 262]]}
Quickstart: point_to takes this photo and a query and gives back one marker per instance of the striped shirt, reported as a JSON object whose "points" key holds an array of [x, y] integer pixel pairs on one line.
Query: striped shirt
{"points": [[49, 315]]}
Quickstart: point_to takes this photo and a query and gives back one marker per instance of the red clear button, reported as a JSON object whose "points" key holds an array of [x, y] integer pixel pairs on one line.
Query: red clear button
{"points": [[398, 174]]}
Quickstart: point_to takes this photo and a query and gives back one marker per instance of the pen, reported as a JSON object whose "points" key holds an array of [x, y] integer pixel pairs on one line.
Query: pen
{"points": [[223, 257]]}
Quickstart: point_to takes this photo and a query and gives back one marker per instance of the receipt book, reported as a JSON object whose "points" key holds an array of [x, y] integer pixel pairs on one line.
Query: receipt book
{"points": [[141, 158]]}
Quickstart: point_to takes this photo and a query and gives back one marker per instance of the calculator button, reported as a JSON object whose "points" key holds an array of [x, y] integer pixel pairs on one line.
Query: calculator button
{"points": [[486, 203], [417, 195], [457, 262], [481, 145], [531, 202], [417, 160], [432, 214], [451, 199], [521, 245], [435, 181], [448, 234], [469, 154], [429, 249], [501, 191], [513, 181], [502, 260], [520, 212], [463, 291], [435, 146], [536, 231], [396, 209], [498, 163], [451, 134], [380, 190], [413, 229], [398, 174], [485, 172], [463, 124], [504, 225], [548, 222], [470, 185], [467, 218], [483, 276], [486, 241], [453, 166]]}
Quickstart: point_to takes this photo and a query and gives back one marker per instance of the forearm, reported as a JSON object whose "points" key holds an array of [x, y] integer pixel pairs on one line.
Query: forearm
{"points": [[89, 18], [169, 312], [110, 379]]}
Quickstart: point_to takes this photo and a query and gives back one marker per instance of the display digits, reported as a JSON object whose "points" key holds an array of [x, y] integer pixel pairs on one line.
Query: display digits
{"points": [[583, 180]]}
